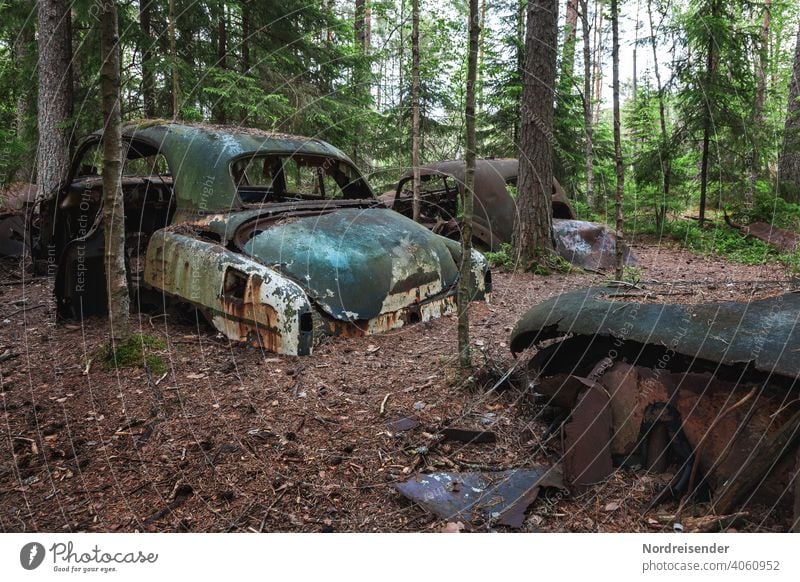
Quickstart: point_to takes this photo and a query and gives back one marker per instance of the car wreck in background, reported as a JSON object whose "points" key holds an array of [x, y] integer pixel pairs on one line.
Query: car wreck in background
{"points": [[711, 390], [585, 244], [277, 240], [15, 208]]}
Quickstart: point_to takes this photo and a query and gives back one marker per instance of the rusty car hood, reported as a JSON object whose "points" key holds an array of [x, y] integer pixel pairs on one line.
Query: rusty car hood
{"points": [[763, 334], [355, 263]]}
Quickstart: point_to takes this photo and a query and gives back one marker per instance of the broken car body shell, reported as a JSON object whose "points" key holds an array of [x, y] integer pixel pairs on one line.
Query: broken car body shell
{"points": [[585, 244], [719, 378], [280, 273]]}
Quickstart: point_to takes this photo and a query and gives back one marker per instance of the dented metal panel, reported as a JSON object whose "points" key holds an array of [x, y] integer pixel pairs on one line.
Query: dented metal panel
{"points": [[588, 245], [357, 265], [481, 498], [267, 309], [764, 334]]}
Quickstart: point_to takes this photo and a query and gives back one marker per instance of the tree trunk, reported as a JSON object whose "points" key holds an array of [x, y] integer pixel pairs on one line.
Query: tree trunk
{"points": [[711, 68], [532, 231], [465, 276], [173, 55], [789, 166], [664, 155], [246, 33], [757, 132], [598, 61], [587, 106], [570, 35], [113, 206], [520, 54], [415, 105], [55, 96], [148, 81], [361, 24], [620, 263], [222, 58]]}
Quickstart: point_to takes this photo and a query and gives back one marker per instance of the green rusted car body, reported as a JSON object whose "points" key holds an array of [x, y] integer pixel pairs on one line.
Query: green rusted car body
{"points": [[276, 240]]}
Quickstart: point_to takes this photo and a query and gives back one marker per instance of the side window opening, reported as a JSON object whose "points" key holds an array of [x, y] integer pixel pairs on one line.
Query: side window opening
{"points": [[274, 178]]}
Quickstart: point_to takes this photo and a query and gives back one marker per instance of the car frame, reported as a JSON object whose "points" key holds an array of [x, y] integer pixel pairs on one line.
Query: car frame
{"points": [[277, 240]]}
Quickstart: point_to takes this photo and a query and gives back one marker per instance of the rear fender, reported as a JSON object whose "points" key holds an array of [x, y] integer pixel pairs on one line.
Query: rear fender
{"points": [[245, 300]]}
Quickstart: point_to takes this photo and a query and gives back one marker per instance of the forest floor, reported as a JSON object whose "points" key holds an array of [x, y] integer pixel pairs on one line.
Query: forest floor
{"points": [[233, 439]]}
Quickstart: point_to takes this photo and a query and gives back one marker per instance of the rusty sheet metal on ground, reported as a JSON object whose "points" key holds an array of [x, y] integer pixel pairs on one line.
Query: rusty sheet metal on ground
{"points": [[402, 424], [784, 240], [477, 498], [764, 333], [587, 439], [463, 435], [14, 207], [588, 245]]}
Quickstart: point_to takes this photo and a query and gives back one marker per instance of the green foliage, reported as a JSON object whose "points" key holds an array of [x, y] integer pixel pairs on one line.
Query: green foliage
{"points": [[135, 351], [502, 259], [719, 240]]}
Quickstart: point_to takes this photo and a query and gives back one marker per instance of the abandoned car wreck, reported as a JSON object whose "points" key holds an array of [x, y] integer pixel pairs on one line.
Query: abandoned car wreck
{"points": [[276, 240], [588, 245], [710, 390]]}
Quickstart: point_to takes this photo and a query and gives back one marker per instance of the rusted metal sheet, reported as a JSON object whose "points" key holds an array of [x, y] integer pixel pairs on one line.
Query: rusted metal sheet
{"points": [[587, 439], [764, 334], [481, 498], [402, 424], [244, 299], [588, 245], [700, 387], [15, 205], [463, 435], [495, 209], [784, 240]]}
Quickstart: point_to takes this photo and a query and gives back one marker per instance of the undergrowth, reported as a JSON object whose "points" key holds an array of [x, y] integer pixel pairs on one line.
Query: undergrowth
{"points": [[135, 352], [722, 240]]}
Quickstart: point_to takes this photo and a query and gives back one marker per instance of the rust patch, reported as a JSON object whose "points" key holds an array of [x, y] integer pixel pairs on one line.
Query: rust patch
{"points": [[587, 439]]}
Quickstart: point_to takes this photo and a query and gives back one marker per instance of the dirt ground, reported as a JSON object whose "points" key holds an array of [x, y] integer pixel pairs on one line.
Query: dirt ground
{"points": [[233, 439]]}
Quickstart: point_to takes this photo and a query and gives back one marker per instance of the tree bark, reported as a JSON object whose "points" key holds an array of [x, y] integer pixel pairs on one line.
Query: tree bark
{"points": [[711, 71], [415, 105], [222, 58], [533, 228], [520, 55], [246, 33], [588, 118], [113, 206], [148, 80], [465, 276], [362, 24], [789, 166], [173, 55], [598, 61], [757, 132], [55, 96], [570, 36], [620, 167]]}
